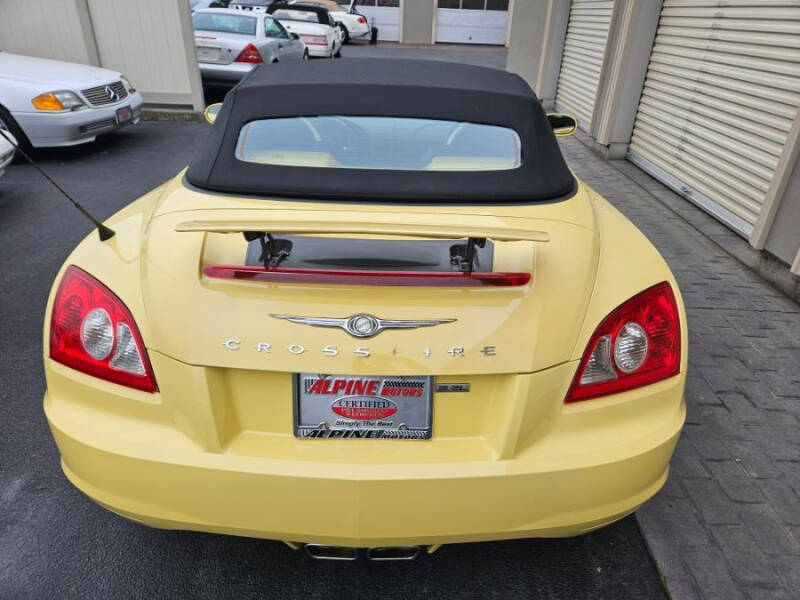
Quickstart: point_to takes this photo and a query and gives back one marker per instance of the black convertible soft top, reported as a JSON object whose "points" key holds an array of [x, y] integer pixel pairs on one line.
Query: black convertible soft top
{"points": [[385, 88], [321, 11]]}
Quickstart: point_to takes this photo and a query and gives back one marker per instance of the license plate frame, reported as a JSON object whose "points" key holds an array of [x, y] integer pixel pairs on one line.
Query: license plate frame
{"points": [[401, 410], [208, 54], [124, 114]]}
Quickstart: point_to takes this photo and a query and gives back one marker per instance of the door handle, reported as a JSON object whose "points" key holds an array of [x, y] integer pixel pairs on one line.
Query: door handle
{"points": [[280, 45]]}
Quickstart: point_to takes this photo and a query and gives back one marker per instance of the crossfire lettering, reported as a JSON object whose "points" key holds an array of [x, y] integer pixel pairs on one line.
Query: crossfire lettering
{"points": [[235, 344]]}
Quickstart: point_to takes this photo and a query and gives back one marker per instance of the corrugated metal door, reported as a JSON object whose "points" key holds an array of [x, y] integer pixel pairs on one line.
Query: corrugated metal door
{"points": [[472, 21], [722, 89], [584, 50]]}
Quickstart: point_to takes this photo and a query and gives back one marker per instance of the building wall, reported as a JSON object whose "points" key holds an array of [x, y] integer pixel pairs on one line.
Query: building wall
{"points": [[537, 34], [783, 239], [150, 41], [417, 21], [54, 29], [537, 39], [164, 67]]}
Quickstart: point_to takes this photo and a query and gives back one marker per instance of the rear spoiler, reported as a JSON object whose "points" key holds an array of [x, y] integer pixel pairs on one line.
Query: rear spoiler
{"points": [[500, 234]]}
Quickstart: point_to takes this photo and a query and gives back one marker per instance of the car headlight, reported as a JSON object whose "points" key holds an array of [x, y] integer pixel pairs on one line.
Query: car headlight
{"points": [[127, 84], [63, 100]]}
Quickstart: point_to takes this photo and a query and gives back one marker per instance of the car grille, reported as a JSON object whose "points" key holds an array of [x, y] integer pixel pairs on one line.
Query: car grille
{"points": [[98, 96], [97, 125]]}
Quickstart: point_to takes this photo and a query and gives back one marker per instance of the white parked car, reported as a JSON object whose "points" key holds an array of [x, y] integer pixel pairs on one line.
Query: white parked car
{"points": [[314, 24], [230, 43], [352, 24], [6, 151], [54, 103]]}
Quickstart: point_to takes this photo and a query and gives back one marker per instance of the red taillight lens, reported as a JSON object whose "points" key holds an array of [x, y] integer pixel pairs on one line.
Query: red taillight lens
{"points": [[362, 20], [639, 343], [91, 330], [249, 55]]}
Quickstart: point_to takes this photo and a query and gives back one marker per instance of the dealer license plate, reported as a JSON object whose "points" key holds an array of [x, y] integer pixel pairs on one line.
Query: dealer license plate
{"points": [[349, 406], [124, 114]]}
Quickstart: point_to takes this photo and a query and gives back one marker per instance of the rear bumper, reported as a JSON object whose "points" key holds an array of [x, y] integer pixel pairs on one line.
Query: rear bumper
{"points": [[78, 127], [358, 31], [224, 74], [576, 469]]}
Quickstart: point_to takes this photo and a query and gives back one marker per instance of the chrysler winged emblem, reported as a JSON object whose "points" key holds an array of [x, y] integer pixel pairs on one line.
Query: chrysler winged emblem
{"points": [[363, 325]]}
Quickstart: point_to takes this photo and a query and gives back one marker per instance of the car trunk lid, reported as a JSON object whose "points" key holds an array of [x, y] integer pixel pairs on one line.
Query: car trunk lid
{"points": [[231, 323], [219, 48]]}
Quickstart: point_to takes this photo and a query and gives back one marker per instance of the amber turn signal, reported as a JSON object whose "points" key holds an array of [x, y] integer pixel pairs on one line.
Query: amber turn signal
{"points": [[47, 101]]}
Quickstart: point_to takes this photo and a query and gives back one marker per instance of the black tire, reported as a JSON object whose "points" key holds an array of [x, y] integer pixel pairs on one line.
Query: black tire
{"points": [[12, 126], [345, 33]]}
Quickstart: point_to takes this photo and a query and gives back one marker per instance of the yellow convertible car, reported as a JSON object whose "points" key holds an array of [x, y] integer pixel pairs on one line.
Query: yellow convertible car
{"points": [[377, 311]]}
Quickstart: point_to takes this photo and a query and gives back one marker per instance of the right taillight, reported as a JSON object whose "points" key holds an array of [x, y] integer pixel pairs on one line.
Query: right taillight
{"points": [[250, 55], [639, 343]]}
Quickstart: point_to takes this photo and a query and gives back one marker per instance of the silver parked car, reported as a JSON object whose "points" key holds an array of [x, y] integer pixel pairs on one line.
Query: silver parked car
{"points": [[230, 43]]}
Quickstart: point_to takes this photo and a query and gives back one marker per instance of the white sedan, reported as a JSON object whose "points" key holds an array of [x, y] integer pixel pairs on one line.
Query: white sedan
{"points": [[54, 103], [353, 24], [6, 151], [314, 24]]}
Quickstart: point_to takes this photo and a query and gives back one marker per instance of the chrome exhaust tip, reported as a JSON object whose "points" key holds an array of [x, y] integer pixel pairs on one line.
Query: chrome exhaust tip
{"points": [[323, 552], [393, 553]]}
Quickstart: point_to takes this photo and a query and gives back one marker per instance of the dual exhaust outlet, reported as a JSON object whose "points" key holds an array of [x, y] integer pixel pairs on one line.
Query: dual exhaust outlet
{"points": [[323, 552]]}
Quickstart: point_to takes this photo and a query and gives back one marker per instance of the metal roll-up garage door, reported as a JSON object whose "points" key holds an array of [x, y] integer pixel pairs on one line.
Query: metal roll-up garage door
{"points": [[584, 50], [722, 89], [472, 21]]}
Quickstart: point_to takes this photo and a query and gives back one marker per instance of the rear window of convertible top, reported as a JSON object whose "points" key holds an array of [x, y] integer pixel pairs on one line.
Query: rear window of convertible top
{"points": [[387, 143]]}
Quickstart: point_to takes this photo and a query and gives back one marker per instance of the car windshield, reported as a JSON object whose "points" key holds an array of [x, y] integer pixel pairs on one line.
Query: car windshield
{"points": [[306, 16], [393, 143], [224, 23]]}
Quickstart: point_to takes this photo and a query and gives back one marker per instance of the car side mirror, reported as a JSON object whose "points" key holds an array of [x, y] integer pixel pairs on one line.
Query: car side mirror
{"points": [[562, 125], [294, 36], [211, 112]]}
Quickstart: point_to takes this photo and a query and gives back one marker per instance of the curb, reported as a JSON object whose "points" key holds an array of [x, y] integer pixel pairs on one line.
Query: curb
{"points": [[171, 114]]}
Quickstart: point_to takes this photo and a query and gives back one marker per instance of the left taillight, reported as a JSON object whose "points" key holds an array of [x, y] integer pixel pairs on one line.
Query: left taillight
{"points": [[92, 331], [639, 343], [250, 54]]}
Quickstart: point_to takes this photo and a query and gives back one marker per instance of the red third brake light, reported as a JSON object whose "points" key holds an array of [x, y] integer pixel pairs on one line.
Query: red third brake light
{"points": [[639, 343], [367, 277], [249, 55], [91, 330]]}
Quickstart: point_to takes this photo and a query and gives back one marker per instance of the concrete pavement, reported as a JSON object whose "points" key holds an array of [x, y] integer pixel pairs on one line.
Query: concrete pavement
{"points": [[727, 524]]}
